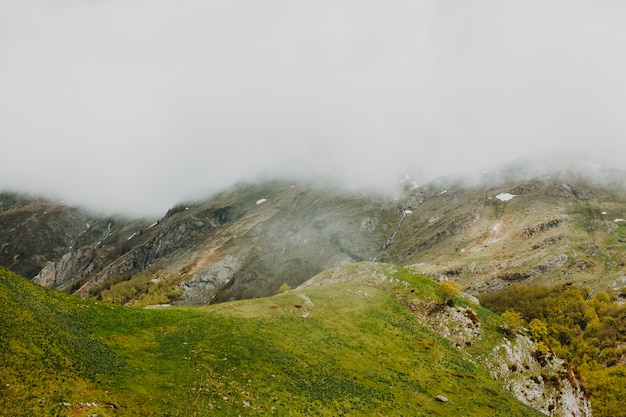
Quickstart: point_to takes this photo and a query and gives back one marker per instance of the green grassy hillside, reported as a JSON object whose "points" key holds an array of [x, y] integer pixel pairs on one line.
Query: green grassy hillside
{"points": [[333, 349]]}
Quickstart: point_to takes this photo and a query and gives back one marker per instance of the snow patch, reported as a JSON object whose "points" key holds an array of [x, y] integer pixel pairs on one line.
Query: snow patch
{"points": [[619, 220], [261, 201], [132, 236], [443, 192], [408, 211], [505, 196]]}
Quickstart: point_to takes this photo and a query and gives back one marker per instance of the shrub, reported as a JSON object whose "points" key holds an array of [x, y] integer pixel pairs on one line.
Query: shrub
{"points": [[447, 289], [284, 288], [512, 320]]}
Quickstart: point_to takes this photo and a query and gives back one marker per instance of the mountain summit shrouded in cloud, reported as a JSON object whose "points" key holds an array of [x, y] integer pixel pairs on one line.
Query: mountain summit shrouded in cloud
{"points": [[135, 105]]}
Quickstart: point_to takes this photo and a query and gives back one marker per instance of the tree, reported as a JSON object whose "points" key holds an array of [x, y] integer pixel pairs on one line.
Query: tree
{"points": [[513, 320], [447, 289]]}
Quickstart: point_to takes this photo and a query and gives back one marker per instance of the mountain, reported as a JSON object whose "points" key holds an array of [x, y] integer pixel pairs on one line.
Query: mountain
{"points": [[563, 231], [36, 232], [243, 243], [248, 241], [552, 230], [359, 339]]}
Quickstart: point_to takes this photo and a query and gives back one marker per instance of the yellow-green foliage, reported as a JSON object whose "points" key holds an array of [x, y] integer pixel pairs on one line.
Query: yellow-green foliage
{"points": [[124, 291], [447, 289], [513, 320], [333, 350], [161, 292], [139, 290], [538, 329], [588, 331], [606, 387]]}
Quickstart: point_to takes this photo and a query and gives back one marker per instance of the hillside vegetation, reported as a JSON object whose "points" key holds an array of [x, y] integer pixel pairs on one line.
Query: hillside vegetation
{"points": [[587, 329], [334, 348]]}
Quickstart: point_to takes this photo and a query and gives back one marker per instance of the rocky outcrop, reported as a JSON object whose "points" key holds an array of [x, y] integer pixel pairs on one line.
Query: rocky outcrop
{"points": [[203, 286], [545, 383], [548, 385], [61, 274], [544, 226], [567, 190]]}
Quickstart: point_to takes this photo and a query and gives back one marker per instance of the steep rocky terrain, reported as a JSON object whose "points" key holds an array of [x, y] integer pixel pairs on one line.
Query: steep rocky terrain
{"points": [[240, 244], [551, 230], [36, 231], [248, 241]]}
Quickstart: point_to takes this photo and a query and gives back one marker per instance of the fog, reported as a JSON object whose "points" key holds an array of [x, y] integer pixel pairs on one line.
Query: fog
{"points": [[135, 105]]}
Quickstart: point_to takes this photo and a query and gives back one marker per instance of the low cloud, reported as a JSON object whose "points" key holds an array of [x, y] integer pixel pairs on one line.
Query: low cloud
{"points": [[136, 105]]}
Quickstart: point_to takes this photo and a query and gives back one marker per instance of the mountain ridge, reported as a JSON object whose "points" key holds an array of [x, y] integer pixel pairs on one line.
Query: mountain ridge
{"points": [[248, 241]]}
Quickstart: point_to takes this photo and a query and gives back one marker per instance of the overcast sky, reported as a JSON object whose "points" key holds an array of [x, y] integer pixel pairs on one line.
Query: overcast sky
{"points": [[136, 105]]}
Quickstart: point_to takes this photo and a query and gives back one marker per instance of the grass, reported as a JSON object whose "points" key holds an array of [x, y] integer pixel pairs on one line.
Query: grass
{"points": [[343, 349]]}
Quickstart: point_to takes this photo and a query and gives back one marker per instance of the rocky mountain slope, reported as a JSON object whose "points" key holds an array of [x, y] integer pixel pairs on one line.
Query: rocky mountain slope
{"points": [[550, 230], [248, 241], [35, 231], [243, 243]]}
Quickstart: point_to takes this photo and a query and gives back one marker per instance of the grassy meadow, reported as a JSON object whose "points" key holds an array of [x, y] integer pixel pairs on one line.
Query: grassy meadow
{"points": [[342, 349]]}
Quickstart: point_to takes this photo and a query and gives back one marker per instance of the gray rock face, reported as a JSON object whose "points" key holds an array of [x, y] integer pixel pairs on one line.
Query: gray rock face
{"points": [[567, 190], [203, 285], [368, 224], [58, 274], [515, 365]]}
